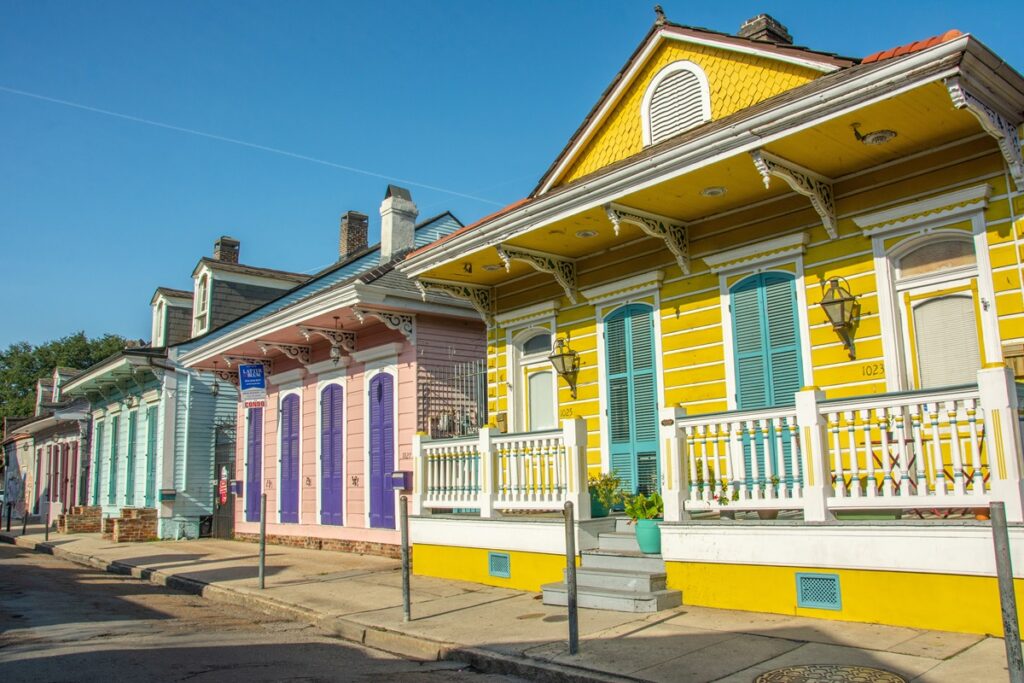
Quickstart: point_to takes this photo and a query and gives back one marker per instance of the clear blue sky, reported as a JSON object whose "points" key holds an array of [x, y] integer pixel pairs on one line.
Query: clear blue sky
{"points": [[473, 97]]}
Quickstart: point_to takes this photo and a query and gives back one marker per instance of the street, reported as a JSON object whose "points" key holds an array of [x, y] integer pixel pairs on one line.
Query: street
{"points": [[63, 622]]}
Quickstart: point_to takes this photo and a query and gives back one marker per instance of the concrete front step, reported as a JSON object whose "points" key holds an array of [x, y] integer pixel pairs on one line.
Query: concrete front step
{"points": [[618, 541], [629, 561], [610, 599], [620, 579]]}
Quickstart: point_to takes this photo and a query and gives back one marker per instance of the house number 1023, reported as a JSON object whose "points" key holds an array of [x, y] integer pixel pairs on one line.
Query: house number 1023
{"points": [[872, 370]]}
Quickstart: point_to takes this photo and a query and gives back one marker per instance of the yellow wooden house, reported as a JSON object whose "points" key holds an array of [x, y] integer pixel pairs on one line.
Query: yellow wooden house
{"points": [[786, 283]]}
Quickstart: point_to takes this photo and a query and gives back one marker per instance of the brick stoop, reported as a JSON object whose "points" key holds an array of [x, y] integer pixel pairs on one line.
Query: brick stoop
{"points": [[134, 525], [314, 543], [82, 519], [107, 528]]}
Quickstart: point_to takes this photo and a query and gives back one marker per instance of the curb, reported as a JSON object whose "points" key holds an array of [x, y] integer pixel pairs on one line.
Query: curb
{"points": [[394, 642]]}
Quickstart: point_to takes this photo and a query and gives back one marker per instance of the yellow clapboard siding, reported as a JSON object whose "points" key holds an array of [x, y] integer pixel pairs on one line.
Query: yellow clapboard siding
{"points": [[698, 337]]}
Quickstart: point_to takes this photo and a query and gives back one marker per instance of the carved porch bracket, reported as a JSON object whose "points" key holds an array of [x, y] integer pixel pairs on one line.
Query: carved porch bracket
{"points": [[563, 269], [480, 298], [403, 322], [673, 232], [299, 352], [993, 123], [234, 361], [227, 376], [341, 339], [815, 187]]}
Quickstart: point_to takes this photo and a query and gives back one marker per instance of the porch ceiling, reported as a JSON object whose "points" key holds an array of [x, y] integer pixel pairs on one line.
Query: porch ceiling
{"points": [[923, 118]]}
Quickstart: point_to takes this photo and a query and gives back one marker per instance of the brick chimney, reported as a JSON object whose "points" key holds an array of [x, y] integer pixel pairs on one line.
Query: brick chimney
{"points": [[352, 234], [398, 215], [226, 249], [766, 29]]}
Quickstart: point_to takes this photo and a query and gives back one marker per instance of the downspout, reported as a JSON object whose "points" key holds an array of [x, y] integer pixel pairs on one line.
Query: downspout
{"points": [[184, 445]]}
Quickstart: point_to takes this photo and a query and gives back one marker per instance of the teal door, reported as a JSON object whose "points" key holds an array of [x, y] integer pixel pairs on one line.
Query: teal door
{"points": [[766, 346], [632, 397]]}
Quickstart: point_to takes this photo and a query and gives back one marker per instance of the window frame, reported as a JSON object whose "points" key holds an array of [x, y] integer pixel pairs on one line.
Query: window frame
{"points": [[666, 71]]}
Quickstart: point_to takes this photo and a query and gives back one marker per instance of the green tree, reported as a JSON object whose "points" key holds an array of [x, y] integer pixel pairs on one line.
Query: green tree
{"points": [[21, 364]]}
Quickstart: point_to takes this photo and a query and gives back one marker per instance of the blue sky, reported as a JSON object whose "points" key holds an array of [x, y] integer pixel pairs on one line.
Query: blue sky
{"points": [[474, 98]]}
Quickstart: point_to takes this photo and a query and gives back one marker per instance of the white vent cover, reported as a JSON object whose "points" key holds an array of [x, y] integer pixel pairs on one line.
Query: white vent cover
{"points": [[676, 100]]}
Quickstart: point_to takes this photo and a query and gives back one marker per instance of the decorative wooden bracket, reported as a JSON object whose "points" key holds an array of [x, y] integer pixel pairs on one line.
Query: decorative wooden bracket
{"points": [[672, 231], [563, 269], [267, 363], [480, 298], [994, 123], [227, 376], [403, 322], [297, 352], [815, 187], [342, 339]]}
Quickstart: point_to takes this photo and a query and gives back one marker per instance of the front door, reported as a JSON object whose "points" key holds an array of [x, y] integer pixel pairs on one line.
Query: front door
{"points": [[766, 347], [331, 449], [632, 398], [382, 451], [151, 433], [290, 459]]}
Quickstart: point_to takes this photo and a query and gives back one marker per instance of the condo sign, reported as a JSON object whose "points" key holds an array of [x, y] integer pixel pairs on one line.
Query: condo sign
{"points": [[252, 384]]}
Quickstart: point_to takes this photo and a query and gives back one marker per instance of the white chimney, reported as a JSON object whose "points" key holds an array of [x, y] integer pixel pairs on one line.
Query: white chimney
{"points": [[398, 215]]}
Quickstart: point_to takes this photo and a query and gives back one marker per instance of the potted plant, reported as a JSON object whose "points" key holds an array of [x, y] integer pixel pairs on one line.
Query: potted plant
{"points": [[604, 493], [644, 511]]}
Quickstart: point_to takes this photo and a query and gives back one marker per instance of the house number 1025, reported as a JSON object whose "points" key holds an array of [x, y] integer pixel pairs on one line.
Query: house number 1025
{"points": [[872, 370]]}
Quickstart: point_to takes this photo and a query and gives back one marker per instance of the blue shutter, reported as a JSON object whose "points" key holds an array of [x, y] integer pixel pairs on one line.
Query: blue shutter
{"points": [[151, 430], [112, 481], [98, 449], [129, 476]]}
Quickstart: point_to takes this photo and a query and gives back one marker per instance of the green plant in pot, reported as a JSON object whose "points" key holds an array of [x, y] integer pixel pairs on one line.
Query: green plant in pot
{"points": [[604, 493], [644, 512]]}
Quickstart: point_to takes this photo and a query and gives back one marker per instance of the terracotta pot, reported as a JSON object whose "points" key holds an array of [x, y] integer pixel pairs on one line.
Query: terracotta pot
{"points": [[768, 514]]}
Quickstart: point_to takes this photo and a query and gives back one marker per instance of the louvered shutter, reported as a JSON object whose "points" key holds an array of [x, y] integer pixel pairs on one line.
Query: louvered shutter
{"points": [[290, 459], [98, 457], [330, 455], [112, 481], [783, 344], [676, 105], [151, 431], [254, 479], [129, 472], [382, 451], [946, 336], [620, 425], [645, 399]]}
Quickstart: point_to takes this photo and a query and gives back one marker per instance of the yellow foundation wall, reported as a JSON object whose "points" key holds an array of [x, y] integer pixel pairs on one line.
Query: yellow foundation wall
{"points": [[529, 570], [943, 602]]}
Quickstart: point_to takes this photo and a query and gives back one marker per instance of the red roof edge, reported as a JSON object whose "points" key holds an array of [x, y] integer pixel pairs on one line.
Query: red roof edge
{"points": [[916, 46], [471, 226]]}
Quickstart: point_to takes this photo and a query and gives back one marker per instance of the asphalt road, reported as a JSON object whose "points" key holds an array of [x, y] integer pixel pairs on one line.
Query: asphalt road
{"points": [[63, 622]]}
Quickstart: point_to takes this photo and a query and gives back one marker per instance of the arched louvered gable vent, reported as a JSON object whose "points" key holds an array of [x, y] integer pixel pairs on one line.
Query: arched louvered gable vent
{"points": [[677, 99]]}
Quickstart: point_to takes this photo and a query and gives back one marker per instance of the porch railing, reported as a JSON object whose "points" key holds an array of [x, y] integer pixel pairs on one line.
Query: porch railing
{"points": [[491, 472], [948, 448]]}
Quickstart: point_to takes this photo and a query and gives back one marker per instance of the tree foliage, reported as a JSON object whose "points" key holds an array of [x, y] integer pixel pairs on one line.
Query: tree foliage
{"points": [[21, 364]]}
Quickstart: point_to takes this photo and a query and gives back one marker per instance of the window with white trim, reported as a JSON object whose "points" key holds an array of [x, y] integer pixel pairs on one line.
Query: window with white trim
{"points": [[202, 297], [536, 400], [677, 100]]}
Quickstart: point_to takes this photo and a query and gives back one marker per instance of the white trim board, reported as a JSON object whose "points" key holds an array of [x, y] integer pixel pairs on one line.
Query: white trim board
{"points": [[955, 204]]}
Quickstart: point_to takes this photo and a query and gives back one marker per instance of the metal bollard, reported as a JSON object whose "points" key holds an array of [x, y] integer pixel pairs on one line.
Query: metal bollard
{"points": [[1007, 598], [24, 520], [263, 539], [404, 520], [10, 511], [570, 578], [46, 530]]}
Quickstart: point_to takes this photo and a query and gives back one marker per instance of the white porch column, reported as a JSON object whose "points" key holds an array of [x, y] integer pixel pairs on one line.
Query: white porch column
{"points": [[813, 440], [999, 401], [419, 474], [574, 436], [675, 470], [486, 494]]}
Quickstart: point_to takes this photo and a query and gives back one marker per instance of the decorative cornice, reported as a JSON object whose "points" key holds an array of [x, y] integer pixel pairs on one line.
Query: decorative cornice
{"points": [[759, 252], [282, 379], [528, 313], [993, 123], [481, 298], [342, 339], [403, 322], [637, 284], [376, 353], [944, 206], [815, 187], [297, 352], [670, 230], [563, 269]]}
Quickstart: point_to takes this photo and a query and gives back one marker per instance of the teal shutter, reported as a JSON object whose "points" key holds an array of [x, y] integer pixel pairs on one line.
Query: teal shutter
{"points": [[151, 426], [129, 476], [98, 456], [112, 480], [632, 398]]}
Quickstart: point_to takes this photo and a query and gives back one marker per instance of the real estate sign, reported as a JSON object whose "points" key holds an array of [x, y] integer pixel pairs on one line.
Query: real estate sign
{"points": [[252, 384]]}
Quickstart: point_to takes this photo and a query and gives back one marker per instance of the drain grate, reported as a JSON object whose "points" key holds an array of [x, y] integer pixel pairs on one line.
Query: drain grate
{"points": [[499, 565], [828, 673], [819, 591]]}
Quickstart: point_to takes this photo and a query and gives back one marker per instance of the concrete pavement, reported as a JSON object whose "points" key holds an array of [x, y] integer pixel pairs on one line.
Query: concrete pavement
{"points": [[358, 598]]}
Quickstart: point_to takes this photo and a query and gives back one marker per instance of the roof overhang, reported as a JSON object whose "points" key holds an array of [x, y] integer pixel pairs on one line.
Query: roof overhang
{"points": [[117, 372]]}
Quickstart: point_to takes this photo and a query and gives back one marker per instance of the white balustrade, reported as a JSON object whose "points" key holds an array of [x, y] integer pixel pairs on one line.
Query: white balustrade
{"points": [[452, 472]]}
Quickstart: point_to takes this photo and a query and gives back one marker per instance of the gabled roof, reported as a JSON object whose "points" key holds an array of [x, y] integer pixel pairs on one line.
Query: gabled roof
{"points": [[171, 293], [248, 270]]}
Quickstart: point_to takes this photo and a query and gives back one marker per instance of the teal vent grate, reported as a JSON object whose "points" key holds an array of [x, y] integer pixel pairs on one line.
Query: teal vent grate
{"points": [[819, 591], [499, 565]]}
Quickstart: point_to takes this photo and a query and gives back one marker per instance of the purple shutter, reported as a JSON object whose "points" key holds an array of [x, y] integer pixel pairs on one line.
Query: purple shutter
{"points": [[330, 455], [382, 451], [290, 459], [254, 475]]}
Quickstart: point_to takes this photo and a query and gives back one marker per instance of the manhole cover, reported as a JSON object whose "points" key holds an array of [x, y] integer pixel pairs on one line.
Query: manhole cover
{"points": [[828, 673]]}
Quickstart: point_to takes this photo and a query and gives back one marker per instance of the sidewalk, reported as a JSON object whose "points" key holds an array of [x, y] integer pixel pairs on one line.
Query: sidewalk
{"points": [[358, 597]]}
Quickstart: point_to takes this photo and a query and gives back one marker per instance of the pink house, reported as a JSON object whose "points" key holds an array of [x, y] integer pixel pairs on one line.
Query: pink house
{"points": [[357, 361]]}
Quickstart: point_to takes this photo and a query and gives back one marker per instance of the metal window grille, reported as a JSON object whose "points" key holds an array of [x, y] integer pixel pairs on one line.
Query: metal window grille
{"points": [[819, 591], [499, 565], [452, 399]]}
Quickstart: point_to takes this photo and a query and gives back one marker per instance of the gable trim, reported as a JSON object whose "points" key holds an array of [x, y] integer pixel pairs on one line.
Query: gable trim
{"points": [[612, 99]]}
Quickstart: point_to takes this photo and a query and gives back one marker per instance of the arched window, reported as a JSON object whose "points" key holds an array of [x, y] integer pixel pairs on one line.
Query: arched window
{"points": [[677, 100], [202, 296], [934, 256], [158, 325]]}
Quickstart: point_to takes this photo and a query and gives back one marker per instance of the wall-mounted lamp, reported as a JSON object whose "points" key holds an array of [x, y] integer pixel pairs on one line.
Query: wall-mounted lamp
{"points": [[566, 363], [215, 388], [841, 308]]}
